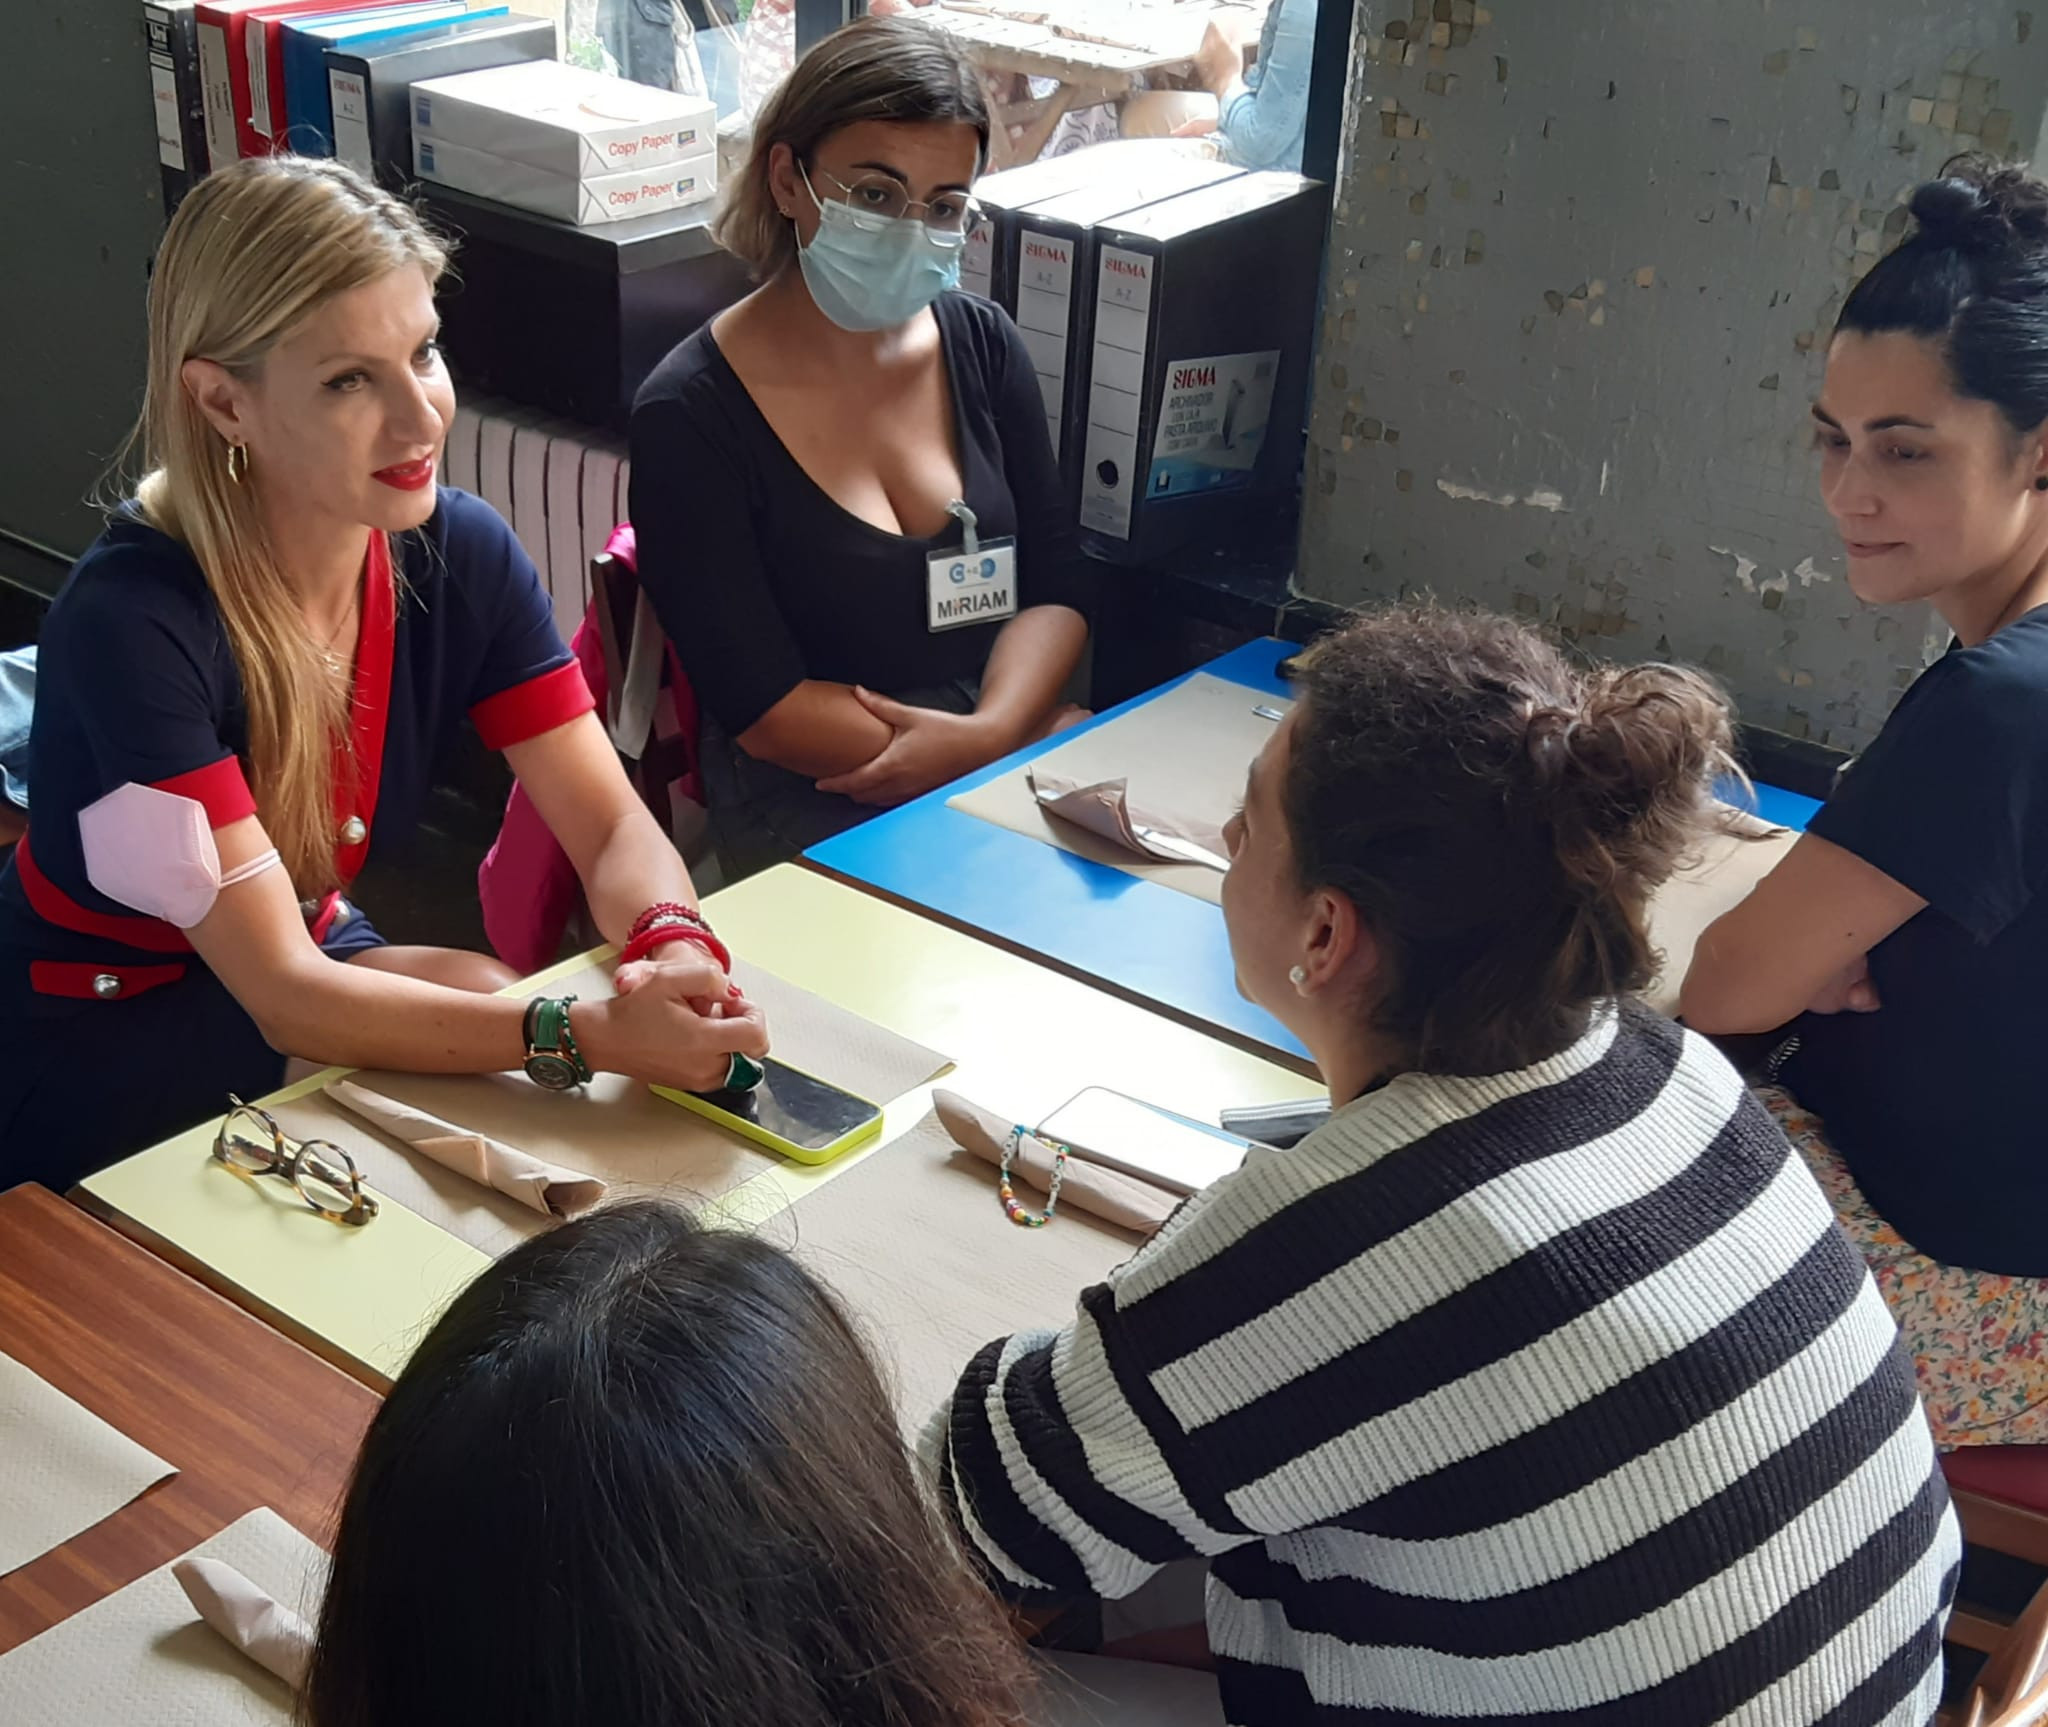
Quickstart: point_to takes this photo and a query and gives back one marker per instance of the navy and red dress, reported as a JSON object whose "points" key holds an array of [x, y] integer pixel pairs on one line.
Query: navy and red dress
{"points": [[119, 1034]]}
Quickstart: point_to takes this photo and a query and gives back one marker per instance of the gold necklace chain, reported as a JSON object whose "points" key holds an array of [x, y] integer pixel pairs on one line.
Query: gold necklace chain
{"points": [[335, 663]]}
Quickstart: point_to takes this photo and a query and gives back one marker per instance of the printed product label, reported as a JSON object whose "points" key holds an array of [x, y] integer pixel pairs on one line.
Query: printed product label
{"points": [[1212, 423]]}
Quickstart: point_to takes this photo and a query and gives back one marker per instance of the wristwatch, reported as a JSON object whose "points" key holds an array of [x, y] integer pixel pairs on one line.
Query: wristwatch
{"points": [[553, 1061]]}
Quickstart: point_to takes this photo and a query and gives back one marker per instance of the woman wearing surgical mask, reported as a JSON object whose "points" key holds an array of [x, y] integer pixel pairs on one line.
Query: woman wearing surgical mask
{"points": [[848, 510]]}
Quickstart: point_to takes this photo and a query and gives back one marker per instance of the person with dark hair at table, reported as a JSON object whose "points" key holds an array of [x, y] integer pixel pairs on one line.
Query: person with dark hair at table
{"points": [[1898, 948], [848, 510], [642, 1473], [1538, 1385]]}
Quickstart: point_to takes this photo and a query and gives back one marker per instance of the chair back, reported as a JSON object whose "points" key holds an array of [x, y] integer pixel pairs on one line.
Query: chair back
{"points": [[650, 709], [2012, 1690]]}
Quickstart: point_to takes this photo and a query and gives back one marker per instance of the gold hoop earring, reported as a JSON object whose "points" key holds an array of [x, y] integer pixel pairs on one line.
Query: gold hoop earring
{"points": [[238, 463]]}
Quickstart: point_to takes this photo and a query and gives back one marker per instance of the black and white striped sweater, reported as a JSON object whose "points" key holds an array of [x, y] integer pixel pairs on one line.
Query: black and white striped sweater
{"points": [[1549, 1397]]}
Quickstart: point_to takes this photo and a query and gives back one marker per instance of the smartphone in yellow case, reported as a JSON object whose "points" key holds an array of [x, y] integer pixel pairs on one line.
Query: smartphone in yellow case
{"points": [[790, 1111]]}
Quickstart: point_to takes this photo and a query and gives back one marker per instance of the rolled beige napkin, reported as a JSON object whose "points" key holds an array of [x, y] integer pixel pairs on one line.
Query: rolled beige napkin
{"points": [[1105, 809], [544, 1187], [265, 1630], [1105, 1193]]}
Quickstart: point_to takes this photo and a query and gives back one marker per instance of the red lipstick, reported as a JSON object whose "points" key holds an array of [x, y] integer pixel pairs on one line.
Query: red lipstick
{"points": [[408, 476]]}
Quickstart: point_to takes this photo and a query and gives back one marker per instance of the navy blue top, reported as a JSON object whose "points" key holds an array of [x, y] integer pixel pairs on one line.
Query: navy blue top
{"points": [[1931, 1100], [137, 683], [762, 580]]}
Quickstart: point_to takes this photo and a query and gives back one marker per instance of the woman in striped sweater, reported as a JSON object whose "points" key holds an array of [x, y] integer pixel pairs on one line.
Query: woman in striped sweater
{"points": [[1538, 1385]]}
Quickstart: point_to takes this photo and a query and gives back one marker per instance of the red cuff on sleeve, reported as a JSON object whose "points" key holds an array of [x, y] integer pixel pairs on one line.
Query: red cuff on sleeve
{"points": [[219, 786], [538, 705]]}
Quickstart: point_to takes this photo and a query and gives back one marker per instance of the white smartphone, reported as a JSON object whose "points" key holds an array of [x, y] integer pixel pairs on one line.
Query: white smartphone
{"points": [[1155, 1145]]}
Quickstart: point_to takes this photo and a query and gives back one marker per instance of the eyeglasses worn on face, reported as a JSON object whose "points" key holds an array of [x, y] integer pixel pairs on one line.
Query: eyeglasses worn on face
{"points": [[875, 199], [326, 1176]]}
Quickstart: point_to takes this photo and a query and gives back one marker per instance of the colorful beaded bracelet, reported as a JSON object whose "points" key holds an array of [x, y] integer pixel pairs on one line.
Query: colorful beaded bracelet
{"points": [[1011, 1209]]}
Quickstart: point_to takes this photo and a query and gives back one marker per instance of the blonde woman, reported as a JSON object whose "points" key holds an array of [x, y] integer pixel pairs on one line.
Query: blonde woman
{"points": [[817, 470], [243, 686]]}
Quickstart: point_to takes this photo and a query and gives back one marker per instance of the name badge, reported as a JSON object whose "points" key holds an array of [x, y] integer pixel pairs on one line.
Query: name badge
{"points": [[977, 587]]}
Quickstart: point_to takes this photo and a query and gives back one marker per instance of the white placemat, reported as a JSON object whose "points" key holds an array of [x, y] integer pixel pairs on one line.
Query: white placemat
{"points": [[62, 1469], [144, 1658]]}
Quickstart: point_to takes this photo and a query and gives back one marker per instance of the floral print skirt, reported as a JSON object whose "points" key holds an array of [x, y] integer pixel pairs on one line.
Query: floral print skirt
{"points": [[1979, 1340]]}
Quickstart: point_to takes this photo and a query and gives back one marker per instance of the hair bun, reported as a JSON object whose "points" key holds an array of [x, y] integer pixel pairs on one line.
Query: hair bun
{"points": [[1980, 207]]}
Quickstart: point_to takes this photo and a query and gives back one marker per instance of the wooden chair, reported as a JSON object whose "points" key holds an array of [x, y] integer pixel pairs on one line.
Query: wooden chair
{"points": [[2001, 1499], [2012, 1691]]}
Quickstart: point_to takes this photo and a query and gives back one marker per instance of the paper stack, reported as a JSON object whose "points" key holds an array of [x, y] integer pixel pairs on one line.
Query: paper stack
{"points": [[563, 142]]}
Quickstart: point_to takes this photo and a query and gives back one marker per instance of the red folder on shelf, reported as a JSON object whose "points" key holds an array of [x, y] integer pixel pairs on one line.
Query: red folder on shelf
{"points": [[241, 59]]}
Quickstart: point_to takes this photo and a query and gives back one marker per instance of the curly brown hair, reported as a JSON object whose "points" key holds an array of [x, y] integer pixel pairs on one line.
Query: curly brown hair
{"points": [[1499, 818]]}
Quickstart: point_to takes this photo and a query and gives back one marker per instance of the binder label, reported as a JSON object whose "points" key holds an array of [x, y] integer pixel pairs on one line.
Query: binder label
{"points": [[1116, 389], [163, 89], [977, 262], [1045, 284], [1212, 423], [219, 94], [259, 76], [351, 101]]}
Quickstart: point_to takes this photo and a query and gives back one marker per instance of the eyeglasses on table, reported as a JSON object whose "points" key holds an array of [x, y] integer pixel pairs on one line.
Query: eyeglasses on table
{"points": [[326, 1177]]}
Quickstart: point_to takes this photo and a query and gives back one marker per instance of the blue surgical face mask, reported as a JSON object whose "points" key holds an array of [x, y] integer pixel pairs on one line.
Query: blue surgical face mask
{"points": [[870, 272]]}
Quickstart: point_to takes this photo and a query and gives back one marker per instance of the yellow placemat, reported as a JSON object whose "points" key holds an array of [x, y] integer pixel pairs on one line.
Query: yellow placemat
{"points": [[143, 1654], [614, 1129], [1186, 751], [361, 1297], [915, 1242]]}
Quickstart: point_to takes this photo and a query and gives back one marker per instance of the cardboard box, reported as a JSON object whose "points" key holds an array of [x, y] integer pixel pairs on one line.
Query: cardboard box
{"points": [[369, 84], [569, 122], [597, 198]]}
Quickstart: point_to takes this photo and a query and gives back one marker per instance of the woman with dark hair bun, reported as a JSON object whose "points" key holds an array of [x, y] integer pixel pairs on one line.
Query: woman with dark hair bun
{"points": [[1538, 1385], [1903, 942]]}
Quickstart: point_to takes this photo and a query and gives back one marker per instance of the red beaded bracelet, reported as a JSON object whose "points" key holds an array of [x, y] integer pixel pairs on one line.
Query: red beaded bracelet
{"points": [[643, 944], [666, 911]]}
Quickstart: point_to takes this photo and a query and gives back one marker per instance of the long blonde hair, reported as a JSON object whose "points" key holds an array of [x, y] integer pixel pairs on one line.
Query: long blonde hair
{"points": [[252, 251]]}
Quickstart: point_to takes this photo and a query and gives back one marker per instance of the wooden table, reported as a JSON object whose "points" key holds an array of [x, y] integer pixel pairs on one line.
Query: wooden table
{"points": [[1051, 41], [247, 1417]]}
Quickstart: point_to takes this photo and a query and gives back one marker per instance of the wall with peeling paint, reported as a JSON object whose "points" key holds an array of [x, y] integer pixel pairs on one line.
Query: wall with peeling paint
{"points": [[1585, 259]]}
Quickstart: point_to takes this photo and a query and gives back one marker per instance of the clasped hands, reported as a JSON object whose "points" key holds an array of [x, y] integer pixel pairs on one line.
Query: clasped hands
{"points": [[1850, 990], [929, 746], [674, 1019]]}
